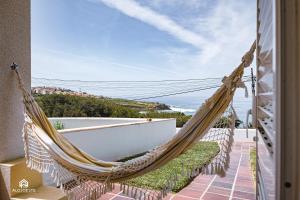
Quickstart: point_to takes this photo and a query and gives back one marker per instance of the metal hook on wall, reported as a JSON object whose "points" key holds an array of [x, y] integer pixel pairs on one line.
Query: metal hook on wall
{"points": [[14, 66]]}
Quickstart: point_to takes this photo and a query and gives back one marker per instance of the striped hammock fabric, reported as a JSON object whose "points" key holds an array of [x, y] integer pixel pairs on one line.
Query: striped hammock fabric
{"points": [[83, 177]]}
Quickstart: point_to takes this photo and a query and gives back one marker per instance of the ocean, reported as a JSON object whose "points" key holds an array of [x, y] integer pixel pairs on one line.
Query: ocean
{"points": [[188, 104]]}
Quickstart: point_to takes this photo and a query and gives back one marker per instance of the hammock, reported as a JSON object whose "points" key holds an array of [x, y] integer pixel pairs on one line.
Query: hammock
{"points": [[77, 172]]}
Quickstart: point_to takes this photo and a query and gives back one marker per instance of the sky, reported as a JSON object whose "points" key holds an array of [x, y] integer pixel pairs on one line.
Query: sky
{"points": [[140, 39]]}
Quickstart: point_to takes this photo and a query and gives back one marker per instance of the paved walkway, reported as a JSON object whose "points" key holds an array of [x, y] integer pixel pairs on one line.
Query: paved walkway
{"points": [[237, 184]]}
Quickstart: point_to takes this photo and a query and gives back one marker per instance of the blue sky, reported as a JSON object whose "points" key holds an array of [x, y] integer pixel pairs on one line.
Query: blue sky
{"points": [[139, 40]]}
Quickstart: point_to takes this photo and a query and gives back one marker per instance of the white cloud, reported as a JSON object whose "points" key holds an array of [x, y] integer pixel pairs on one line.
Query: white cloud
{"points": [[186, 4], [222, 35], [229, 26], [232, 26], [164, 23]]}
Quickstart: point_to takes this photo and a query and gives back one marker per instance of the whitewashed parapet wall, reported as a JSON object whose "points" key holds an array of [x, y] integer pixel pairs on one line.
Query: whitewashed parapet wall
{"points": [[80, 122], [111, 139]]}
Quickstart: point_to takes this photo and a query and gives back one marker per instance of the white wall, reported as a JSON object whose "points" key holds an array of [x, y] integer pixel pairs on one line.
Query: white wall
{"points": [[241, 135], [113, 142], [79, 122]]}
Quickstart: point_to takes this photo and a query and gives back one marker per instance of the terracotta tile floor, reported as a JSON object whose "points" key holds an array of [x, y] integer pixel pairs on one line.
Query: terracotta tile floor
{"points": [[237, 184]]}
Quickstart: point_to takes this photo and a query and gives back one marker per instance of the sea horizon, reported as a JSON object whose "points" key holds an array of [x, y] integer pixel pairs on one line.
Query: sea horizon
{"points": [[188, 104]]}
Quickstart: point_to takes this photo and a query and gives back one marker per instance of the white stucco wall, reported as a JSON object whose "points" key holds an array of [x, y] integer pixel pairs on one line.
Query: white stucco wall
{"points": [[239, 134], [14, 47], [114, 140], [80, 122]]}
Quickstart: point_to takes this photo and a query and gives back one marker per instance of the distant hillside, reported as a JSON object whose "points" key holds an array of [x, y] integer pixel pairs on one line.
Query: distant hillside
{"points": [[66, 105], [140, 105], [137, 105]]}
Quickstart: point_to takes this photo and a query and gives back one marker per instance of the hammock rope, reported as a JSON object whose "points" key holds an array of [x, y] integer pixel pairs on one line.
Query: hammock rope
{"points": [[84, 177]]}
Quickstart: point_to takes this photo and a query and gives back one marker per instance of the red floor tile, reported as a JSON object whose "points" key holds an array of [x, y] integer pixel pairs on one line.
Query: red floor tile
{"points": [[243, 195], [219, 190], [211, 196], [121, 198], [237, 181], [106, 196], [222, 184], [197, 186], [179, 197], [191, 193], [249, 189]]}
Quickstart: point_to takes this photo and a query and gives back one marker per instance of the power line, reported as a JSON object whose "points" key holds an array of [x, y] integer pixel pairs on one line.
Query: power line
{"points": [[142, 89], [126, 81], [176, 93]]}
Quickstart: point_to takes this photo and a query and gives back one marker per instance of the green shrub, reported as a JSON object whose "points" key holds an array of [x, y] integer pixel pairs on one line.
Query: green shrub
{"points": [[58, 125], [224, 122], [181, 118], [253, 161]]}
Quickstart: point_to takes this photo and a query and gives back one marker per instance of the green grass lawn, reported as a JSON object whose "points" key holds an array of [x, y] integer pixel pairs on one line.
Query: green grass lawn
{"points": [[253, 161], [202, 153]]}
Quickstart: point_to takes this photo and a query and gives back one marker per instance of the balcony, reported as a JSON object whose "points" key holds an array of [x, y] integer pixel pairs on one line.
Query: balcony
{"points": [[89, 134]]}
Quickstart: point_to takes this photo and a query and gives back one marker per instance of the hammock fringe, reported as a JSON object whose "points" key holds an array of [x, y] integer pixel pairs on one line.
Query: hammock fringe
{"points": [[79, 188]]}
